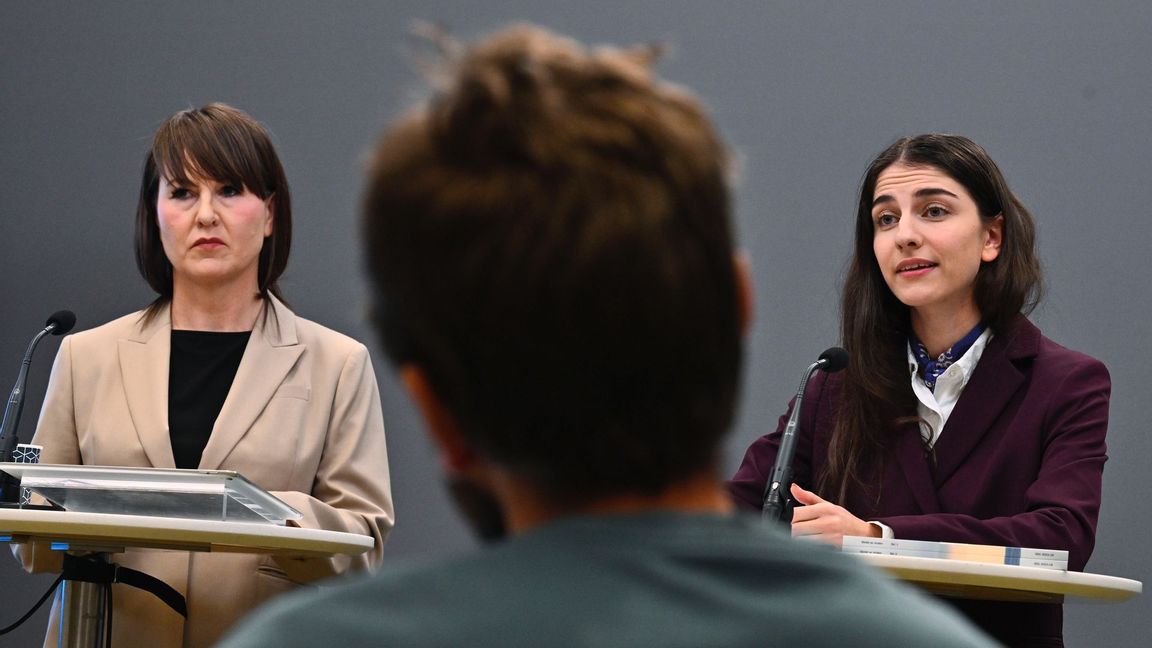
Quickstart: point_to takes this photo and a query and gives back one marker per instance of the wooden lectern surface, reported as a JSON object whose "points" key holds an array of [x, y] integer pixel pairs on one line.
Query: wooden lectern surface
{"points": [[974, 580], [106, 532]]}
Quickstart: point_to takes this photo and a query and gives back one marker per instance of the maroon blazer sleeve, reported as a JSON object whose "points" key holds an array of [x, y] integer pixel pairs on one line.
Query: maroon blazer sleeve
{"points": [[747, 485]]}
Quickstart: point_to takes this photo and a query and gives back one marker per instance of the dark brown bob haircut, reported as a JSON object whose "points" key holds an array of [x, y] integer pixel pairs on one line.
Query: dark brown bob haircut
{"points": [[875, 324], [224, 144], [549, 241]]}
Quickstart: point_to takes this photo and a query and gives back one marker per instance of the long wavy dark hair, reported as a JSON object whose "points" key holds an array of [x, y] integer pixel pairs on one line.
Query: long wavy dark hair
{"points": [[877, 396]]}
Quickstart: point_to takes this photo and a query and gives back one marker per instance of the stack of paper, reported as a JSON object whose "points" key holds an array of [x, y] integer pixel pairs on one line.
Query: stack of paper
{"points": [[1047, 558]]}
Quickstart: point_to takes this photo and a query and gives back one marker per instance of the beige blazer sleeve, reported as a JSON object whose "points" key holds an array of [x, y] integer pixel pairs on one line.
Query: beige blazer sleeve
{"points": [[350, 490]]}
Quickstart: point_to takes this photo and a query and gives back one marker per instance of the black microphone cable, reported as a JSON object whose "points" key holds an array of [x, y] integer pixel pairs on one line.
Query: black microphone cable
{"points": [[29, 613]]}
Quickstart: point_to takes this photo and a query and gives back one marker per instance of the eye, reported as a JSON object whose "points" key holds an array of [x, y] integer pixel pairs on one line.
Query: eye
{"points": [[935, 211], [886, 220], [178, 193], [229, 191]]}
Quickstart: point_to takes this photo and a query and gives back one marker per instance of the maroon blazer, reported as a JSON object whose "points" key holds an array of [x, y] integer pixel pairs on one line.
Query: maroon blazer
{"points": [[1019, 463]]}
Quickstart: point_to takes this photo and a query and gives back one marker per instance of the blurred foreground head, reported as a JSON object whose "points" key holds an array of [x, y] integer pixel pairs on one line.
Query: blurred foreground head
{"points": [[550, 244]]}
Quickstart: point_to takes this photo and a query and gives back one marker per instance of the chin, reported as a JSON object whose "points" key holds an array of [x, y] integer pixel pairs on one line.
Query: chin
{"points": [[913, 300]]}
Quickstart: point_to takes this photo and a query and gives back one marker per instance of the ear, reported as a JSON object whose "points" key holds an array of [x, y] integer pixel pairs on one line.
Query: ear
{"points": [[269, 215], [744, 294], [995, 236], [455, 453]]}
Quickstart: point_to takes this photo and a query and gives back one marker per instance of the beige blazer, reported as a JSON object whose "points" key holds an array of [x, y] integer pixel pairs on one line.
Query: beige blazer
{"points": [[302, 419]]}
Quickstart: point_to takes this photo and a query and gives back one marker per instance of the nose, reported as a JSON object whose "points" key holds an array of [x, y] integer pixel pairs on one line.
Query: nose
{"points": [[908, 233], [206, 210]]}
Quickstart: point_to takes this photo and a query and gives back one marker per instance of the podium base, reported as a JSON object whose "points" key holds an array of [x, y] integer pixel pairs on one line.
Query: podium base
{"points": [[84, 613]]}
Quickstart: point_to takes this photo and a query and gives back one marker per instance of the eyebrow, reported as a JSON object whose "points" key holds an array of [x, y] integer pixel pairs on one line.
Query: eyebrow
{"points": [[920, 193]]}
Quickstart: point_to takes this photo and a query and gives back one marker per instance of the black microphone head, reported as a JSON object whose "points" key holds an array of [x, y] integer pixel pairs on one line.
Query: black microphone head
{"points": [[64, 321], [833, 359]]}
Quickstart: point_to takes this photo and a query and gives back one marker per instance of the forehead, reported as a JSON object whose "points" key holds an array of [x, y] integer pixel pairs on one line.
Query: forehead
{"points": [[902, 179]]}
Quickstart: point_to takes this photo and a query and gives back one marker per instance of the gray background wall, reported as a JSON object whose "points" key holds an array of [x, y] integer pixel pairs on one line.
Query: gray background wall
{"points": [[806, 93]]}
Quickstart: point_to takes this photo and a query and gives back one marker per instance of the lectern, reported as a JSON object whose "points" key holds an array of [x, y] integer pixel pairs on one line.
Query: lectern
{"points": [[975, 580], [104, 510]]}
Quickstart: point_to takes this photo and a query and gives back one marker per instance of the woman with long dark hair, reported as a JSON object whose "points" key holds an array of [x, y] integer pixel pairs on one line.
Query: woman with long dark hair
{"points": [[956, 419], [218, 373]]}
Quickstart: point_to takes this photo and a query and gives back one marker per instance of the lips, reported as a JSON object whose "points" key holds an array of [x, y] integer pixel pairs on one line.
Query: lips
{"points": [[914, 265], [207, 242]]}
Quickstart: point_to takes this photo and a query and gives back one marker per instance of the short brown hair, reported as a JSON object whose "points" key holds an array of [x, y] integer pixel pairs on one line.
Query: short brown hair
{"points": [[550, 242], [221, 143]]}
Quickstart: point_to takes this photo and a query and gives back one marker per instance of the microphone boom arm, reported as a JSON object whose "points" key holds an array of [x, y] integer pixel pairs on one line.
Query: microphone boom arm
{"points": [[780, 481], [58, 323], [8, 432]]}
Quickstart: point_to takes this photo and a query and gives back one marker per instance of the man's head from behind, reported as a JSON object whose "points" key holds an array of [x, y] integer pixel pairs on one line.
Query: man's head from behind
{"points": [[550, 246]]}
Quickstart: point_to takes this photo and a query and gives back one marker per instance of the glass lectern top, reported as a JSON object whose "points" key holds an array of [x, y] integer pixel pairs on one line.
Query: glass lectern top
{"points": [[160, 492]]}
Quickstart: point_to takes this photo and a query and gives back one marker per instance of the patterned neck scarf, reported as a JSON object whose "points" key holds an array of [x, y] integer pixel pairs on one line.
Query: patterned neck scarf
{"points": [[931, 369]]}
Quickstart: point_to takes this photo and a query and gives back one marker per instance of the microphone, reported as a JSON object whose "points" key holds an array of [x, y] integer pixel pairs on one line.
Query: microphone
{"points": [[58, 323], [780, 481]]}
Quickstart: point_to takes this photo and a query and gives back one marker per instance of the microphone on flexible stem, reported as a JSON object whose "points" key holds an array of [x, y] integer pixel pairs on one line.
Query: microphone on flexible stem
{"points": [[58, 324], [780, 481]]}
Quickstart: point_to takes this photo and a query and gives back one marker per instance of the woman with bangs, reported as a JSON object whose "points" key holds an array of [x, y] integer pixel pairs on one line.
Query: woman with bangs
{"points": [[218, 373], [956, 419]]}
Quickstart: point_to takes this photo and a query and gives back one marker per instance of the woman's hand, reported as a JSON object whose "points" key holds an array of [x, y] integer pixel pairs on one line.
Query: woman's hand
{"points": [[825, 521]]}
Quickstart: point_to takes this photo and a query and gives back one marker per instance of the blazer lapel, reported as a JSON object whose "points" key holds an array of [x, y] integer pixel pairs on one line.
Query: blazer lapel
{"points": [[915, 463], [144, 358], [991, 387], [271, 354]]}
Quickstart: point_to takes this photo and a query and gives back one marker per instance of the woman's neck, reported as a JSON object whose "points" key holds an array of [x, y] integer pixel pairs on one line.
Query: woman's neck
{"points": [[219, 309], [939, 328]]}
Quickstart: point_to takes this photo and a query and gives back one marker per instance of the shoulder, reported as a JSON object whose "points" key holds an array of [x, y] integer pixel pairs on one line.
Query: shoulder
{"points": [[284, 327], [1057, 363], [824, 385], [1061, 359], [835, 595], [287, 327], [331, 351], [129, 326], [311, 333], [393, 607], [655, 582], [1031, 352], [822, 402]]}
